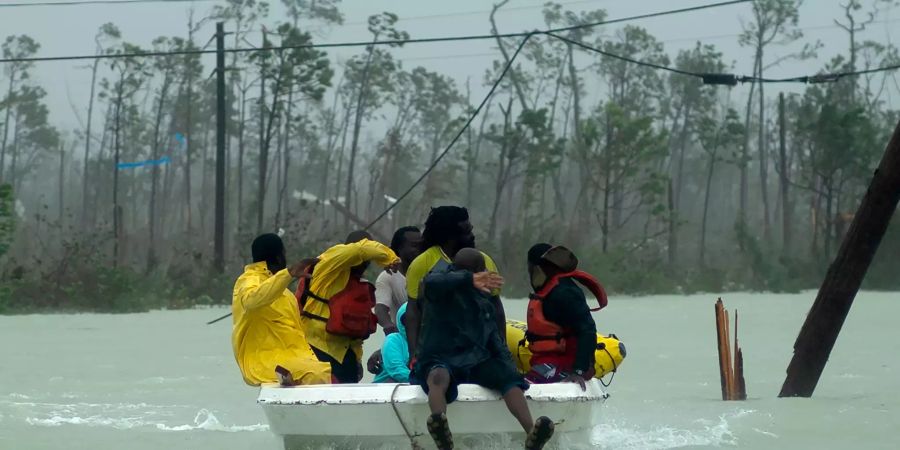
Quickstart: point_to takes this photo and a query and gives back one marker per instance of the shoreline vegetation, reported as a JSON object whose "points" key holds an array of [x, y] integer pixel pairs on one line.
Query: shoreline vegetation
{"points": [[661, 184], [65, 287]]}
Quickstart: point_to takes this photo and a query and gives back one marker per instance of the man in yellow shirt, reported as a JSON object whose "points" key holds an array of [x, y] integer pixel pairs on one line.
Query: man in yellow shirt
{"points": [[330, 276], [266, 335], [447, 230]]}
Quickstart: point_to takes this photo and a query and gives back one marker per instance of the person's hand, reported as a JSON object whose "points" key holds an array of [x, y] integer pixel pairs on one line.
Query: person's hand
{"points": [[578, 379], [299, 269], [375, 363], [393, 267], [390, 329], [487, 281], [412, 363]]}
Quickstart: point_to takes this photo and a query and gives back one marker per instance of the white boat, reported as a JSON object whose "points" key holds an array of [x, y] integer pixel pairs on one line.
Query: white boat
{"points": [[364, 416]]}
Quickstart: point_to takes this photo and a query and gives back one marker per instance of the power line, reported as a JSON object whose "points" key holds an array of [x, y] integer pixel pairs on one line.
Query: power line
{"points": [[623, 58], [96, 2], [459, 134], [386, 42], [730, 79], [734, 35]]}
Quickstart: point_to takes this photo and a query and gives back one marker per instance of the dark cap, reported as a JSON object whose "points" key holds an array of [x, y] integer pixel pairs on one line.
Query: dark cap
{"points": [[537, 251], [267, 247]]}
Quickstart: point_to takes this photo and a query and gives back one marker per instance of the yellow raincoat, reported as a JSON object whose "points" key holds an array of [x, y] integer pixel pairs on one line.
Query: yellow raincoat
{"points": [[330, 277], [267, 330]]}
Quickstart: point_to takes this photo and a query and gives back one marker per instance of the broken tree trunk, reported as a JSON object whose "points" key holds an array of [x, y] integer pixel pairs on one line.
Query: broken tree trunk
{"points": [[722, 342], [826, 317], [731, 371]]}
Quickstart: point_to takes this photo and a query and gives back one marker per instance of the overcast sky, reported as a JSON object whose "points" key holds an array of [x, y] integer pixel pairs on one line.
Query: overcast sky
{"points": [[69, 30]]}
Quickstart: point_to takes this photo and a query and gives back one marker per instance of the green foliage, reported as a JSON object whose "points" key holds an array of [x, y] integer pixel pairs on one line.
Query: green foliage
{"points": [[106, 290], [300, 69], [324, 10]]}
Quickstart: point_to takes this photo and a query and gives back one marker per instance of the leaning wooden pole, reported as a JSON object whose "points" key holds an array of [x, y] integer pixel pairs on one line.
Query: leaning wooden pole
{"points": [[731, 369], [826, 317], [722, 344], [740, 388]]}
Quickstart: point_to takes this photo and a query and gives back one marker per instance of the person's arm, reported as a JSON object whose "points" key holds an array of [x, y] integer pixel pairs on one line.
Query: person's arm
{"points": [[383, 299], [413, 321], [568, 308], [395, 355], [354, 254], [414, 275], [445, 281], [256, 295]]}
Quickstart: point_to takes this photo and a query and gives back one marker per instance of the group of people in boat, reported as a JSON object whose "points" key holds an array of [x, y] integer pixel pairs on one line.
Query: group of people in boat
{"points": [[438, 303]]}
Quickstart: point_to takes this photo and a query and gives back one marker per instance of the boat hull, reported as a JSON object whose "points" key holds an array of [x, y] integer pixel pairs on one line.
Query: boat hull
{"points": [[394, 415]]}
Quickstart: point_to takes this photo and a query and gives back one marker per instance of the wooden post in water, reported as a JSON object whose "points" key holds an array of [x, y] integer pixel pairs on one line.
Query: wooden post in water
{"points": [[740, 389], [826, 317], [731, 371]]}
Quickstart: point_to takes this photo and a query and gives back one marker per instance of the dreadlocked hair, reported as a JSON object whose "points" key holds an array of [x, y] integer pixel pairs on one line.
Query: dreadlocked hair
{"points": [[442, 225]]}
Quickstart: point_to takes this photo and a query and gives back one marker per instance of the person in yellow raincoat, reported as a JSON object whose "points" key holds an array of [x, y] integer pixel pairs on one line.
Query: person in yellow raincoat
{"points": [[330, 276], [267, 333]]}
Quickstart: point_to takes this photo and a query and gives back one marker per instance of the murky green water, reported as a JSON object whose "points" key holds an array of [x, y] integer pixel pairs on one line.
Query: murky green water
{"points": [[166, 380]]}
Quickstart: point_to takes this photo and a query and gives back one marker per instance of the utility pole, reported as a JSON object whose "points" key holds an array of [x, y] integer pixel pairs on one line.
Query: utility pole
{"points": [[828, 312], [220, 149], [785, 206], [62, 167], [263, 149]]}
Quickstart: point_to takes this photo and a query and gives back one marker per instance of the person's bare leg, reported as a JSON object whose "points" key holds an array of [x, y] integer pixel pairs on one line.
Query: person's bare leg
{"points": [[438, 383], [438, 427], [515, 402]]}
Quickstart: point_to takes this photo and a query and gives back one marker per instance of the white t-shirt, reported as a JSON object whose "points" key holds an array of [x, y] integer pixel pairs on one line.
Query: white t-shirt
{"points": [[390, 291]]}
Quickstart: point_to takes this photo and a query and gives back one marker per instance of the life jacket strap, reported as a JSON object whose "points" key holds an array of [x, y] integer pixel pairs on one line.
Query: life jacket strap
{"points": [[313, 316], [535, 338], [316, 297], [582, 278]]}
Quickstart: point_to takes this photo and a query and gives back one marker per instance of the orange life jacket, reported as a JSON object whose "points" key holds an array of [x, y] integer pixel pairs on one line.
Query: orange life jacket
{"points": [[349, 311], [545, 336]]}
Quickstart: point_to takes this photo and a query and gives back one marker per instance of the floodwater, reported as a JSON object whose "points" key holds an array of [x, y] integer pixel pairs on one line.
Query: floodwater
{"points": [[166, 380]]}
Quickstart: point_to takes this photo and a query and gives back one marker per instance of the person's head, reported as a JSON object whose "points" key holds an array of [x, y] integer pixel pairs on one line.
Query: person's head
{"points": [[449, 228], [356, 236], [402, 323], [469, 259], [537, 266], [545, 261], [407, 244], [269, 248], [352, 238]]}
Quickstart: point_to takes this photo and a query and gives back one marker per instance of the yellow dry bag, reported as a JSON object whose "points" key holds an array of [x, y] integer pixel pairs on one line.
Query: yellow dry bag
{"points": [[608, 357]]}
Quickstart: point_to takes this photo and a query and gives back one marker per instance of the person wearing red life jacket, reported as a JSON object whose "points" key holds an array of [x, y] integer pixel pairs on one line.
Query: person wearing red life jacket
{"points": [[562, 335], [336, 303]]}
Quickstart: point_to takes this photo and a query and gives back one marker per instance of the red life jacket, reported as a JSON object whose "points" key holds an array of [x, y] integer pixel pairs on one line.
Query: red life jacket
{"points": [[349, 311], [546, 338]]}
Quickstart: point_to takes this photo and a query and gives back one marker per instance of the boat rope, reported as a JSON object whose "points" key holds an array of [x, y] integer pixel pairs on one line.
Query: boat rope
{"points": [[412, 437]]}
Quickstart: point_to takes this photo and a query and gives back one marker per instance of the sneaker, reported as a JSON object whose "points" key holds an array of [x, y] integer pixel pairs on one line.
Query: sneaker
{"points": [[439, 430], [285, 378], [540, 434]]}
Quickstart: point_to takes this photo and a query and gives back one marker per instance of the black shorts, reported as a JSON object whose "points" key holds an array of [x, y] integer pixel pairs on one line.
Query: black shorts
{"points": [[494, 374], [346, 371]]}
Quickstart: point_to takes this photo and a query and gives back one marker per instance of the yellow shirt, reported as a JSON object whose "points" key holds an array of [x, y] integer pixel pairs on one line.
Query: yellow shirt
{"points": [[330, 277], [267, 330], [426, 261]]}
